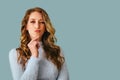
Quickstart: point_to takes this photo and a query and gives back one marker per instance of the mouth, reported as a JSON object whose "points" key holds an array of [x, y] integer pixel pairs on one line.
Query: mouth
{"points": [[37, 30]]}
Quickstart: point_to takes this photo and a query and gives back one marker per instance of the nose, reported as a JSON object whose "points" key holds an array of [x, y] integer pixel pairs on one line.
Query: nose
{"points": [[37, 25]]}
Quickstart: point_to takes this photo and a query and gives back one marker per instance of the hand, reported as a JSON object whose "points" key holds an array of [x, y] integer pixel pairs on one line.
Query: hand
{"points": [[33, 45]]}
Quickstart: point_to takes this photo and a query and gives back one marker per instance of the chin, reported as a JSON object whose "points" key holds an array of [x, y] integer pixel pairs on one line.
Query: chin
{"points": [[36, 36]]}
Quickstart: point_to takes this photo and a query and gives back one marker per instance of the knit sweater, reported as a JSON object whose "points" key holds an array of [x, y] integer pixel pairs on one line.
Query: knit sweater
{"points": [[36, 68]]}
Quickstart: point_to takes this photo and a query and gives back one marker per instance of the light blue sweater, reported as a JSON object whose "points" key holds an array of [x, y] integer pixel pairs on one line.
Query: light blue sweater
{"points": [[36, 68]]}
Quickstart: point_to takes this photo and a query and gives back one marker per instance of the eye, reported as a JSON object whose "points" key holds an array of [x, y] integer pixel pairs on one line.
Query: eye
{"points": [[42, 22], [32, 21]]}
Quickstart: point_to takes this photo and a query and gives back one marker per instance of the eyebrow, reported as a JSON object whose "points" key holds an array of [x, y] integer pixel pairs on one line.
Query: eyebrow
{"points": [[34, 19]]}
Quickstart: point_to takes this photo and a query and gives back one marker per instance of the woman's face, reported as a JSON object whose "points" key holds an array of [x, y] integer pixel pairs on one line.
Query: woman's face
{"points": [[35, 25]]}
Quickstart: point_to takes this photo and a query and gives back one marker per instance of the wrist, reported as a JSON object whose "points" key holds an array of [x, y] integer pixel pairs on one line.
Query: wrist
{"points": [[35, 55]]}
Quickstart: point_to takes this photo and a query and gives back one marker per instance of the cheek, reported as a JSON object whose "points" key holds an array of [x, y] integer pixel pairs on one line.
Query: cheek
{"points": [[29, 27], [43, 28]]}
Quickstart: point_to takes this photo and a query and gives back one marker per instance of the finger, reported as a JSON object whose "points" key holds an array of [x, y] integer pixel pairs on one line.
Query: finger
{"points": [[35, 39]]}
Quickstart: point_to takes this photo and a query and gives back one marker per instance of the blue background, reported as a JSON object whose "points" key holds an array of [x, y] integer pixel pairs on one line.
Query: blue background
{"points": [[87, 30]]}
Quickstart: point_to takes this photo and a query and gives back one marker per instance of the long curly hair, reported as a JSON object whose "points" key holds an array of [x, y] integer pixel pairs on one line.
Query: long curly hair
{"points": [[48, 41]]}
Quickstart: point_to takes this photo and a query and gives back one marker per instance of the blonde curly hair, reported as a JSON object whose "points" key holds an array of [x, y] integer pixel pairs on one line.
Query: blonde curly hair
{"points": [[48, 41]]}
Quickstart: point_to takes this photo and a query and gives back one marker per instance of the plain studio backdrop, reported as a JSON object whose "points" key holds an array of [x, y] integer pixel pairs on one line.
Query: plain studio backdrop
{"points": [[87, 30]]}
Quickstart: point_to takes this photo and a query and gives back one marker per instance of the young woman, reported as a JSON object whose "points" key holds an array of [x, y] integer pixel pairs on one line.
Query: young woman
{"points": [[37, 57]]}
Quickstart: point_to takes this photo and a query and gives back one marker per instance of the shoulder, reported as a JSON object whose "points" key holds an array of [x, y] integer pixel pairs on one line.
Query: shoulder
{"points": [[13, 54], [61, 52]]}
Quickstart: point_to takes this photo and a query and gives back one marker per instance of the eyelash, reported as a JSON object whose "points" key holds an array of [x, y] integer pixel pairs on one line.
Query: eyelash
{"points": [[42, 22], [32, 22], [39, 22]]}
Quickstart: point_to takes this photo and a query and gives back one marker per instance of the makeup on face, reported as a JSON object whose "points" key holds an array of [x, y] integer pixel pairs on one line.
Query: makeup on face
{"points": [[37, 30]]}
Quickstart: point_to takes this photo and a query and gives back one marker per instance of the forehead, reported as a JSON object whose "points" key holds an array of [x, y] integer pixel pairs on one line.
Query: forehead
{"points": [[36, 15]]}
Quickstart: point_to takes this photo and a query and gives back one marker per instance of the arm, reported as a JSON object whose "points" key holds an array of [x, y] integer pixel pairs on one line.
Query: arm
{"points": [[63, 73], [31, 71]]}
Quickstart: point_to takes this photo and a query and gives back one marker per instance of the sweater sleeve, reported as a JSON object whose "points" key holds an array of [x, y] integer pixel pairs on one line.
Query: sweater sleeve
{"points": [[63, 73], [31, 71]]}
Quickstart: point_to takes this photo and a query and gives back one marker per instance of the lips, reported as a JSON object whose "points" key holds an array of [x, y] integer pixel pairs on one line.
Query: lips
{"points": [[37, 30]]}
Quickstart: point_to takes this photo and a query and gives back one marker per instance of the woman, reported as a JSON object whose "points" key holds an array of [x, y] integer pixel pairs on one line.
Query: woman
{"points": [[38, 57]]}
